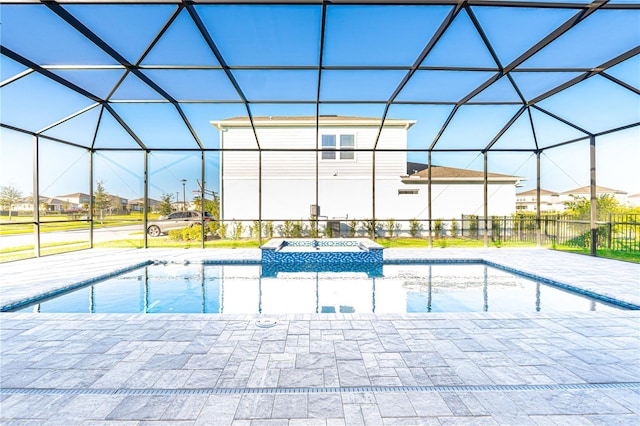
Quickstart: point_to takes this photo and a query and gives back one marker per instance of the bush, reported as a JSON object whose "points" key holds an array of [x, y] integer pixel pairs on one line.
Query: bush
{"points": [[287, 229], [353, 227], [454, 228], [391, 226], [237, 230], [193, 233], [328, 231], [222, 230], [268, 229], [296, 229], [473, 225], [313, 227], [438, 227], [255, 229], [414, 227]]}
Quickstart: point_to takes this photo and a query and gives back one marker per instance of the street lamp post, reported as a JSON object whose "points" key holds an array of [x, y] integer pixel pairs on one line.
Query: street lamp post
{"points": [[184, 195]]}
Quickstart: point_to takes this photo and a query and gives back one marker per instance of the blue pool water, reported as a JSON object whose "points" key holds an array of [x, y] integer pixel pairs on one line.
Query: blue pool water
{"points": [[250, 289]]}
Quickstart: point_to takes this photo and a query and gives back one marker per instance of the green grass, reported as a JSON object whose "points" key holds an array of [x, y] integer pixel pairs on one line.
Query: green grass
{"points": [[607, 253], [164, 242], [24, 224], [27, 251]]}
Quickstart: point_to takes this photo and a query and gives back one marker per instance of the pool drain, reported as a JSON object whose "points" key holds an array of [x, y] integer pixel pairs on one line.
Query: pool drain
{"points": [[266, 323]]}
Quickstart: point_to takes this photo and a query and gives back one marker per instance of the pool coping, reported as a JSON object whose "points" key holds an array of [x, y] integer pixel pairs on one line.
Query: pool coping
{"points": [[414, 261]]}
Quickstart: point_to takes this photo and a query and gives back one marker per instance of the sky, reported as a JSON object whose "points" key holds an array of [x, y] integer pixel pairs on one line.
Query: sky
{"points": [[355, 36]]}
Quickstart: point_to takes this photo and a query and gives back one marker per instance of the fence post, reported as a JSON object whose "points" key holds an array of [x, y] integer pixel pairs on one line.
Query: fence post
{"points": [[609, 229]]}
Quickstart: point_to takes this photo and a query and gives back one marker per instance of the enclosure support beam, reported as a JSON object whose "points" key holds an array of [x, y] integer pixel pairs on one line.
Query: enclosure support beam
{"points": [[36, 197], [538, 224], [373, 195], [429, 196], [592, 160], [202, 188], [89, 216], [260, 197], [486, 201], [145, 201]]}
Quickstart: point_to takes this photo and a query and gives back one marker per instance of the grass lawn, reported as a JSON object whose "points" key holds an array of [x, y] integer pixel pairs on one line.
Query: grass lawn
{"points": [[24, 224], [608, 253], [24, 252]]}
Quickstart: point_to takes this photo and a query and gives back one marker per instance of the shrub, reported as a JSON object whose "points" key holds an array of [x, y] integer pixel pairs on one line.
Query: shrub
{"points": [[313, 227], [296, 229], [473, 225], [268, 229], [454, 228], [328, 231], [255, 229], [438, 227], [353, 227], [222, 230], [370, 226], [287, 229], [237, 230], [193, 233], [414, 227], [391, 226]]}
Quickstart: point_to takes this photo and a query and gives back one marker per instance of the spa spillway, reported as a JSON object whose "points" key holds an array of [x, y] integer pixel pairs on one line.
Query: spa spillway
{"points": [[324, 250]]}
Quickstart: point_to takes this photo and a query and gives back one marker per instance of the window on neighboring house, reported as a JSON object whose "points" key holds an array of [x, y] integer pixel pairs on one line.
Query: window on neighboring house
{"points": [[338, 147]]}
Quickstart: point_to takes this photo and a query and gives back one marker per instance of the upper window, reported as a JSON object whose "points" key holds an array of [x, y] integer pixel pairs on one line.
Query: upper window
{"points": [[338, 147]]}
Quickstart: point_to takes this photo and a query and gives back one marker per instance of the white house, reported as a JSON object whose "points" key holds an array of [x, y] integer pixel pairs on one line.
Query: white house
{"points": [[549, 201], [344, 174], [585, 192]]}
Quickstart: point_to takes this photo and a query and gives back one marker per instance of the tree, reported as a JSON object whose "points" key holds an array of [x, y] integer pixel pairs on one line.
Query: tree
{"points": [[164, 207], [101, 198], [9, 196], [581, 206], [210, 205]]}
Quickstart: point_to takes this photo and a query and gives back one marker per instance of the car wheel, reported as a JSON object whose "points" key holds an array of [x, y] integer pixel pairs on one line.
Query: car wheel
{"points": [[153, 231]]}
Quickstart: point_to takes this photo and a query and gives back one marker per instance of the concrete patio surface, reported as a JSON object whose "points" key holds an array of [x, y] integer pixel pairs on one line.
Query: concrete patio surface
{"points": [[550, 368]]}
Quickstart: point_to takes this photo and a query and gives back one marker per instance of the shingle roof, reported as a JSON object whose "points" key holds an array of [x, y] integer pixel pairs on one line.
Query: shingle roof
{"points": [[441, 172], [599, 190], [542, 192]]}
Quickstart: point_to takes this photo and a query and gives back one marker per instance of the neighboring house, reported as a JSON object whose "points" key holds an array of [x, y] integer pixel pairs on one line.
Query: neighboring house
{"points": [[344, 184], [555, 202], [585, 192], [47, 204], [634, 200], [549, 201], [75, 201], [137, 205]]}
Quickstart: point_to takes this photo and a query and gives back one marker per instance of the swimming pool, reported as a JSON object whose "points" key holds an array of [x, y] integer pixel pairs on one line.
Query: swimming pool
{"points": [[247, 289]]}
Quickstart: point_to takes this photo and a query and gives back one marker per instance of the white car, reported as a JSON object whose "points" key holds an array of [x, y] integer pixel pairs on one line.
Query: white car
{"points": [[176, 220]]}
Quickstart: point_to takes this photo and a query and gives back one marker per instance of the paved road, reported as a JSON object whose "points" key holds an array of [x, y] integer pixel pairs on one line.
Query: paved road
{"points": [[99, 235]]}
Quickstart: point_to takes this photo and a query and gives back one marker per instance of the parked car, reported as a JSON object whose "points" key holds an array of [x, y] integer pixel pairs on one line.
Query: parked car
{"points": [[176, 220]]}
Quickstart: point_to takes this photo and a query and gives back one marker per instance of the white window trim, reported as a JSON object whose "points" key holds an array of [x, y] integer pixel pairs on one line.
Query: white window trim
{"points": [[338, 148]]}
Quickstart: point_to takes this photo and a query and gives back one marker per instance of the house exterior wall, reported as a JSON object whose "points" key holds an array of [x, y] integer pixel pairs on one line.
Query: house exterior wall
{"points": [[344, 187]]}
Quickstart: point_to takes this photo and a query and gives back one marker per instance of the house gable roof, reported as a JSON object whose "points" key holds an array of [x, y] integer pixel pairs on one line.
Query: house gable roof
{"points": [[453, 173], [542, 192], [587, 190]]}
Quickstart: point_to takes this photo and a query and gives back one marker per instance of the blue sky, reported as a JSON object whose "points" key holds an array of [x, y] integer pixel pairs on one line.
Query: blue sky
{"points": [[261, 35]]}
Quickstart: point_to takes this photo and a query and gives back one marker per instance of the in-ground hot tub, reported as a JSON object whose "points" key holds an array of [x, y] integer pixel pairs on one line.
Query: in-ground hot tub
{"points": [[324, 250]]}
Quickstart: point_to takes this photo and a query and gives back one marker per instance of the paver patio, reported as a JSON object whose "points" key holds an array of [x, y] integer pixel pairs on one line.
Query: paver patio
{"points": [[325, 369]]}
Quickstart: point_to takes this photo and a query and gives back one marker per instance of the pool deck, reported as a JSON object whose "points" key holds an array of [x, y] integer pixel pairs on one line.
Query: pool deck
{"points": [[320, 369]]}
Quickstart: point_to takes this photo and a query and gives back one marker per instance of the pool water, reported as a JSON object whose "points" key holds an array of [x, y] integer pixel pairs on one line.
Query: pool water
{"points": [[244, 289]]}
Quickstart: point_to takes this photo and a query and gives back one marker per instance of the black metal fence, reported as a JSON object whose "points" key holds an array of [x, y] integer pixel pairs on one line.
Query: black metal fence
{"points": [[619, 232]]}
